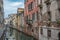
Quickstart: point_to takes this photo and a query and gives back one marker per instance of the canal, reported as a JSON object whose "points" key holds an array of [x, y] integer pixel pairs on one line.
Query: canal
{"points": [[14, 34]]}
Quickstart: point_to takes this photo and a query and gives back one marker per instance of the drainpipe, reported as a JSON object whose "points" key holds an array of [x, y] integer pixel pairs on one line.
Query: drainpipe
{"points": [[39, 33]]}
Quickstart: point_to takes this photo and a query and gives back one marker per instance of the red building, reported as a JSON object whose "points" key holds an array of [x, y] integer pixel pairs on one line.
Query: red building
{"points": [[31, 16]]}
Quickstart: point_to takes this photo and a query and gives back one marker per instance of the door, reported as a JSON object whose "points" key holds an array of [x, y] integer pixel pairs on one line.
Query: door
{"points": [[59, 36]]}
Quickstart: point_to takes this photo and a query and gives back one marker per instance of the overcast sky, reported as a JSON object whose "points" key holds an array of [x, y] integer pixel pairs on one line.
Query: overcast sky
{"points": [[10, 6]]}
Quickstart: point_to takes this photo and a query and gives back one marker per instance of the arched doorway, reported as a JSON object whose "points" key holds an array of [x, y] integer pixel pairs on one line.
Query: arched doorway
{"points": [[59, 36]]}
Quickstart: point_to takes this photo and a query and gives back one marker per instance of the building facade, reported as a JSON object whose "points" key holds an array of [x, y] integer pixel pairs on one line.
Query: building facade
{"points": [[11, 22], [2, 32], [1, 13], [31, 17], [20, 19], [42, 15], [49, 28], [20, 16]]}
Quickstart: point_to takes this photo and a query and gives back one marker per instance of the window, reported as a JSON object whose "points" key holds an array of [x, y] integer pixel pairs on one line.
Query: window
{"points": [[49, 19], [30, 6], [36, 29], [26, 19], [2, 2], [37, 16], [59, 12], [32, 30], [0, 8], [36, 1], [11, 31], [47, 2], [57, 0], [59, 36], [41, 30], [6, 38], [59, 9], [49, 16], [49, 33], [33, 16], [26, 1]]}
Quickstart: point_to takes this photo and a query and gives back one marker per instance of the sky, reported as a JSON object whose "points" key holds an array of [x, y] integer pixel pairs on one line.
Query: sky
{"points": [[10, 6]]}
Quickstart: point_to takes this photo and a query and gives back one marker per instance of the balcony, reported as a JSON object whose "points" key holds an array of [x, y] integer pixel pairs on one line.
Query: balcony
{"points": [[47, 2], [18, 14], [40, 6], [29, 22], [58, 2], [49, 23], [58, 22], [49, 18]]}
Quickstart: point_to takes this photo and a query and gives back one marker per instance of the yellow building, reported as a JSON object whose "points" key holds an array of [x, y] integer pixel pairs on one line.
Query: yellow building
{"points": [[20, 19], [19, 12]]}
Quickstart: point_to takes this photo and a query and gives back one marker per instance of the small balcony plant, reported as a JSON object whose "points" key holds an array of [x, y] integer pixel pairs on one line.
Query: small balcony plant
{"points": [[47, 2], [40, 6], [58, 22], [49, 22], [29, 22]]}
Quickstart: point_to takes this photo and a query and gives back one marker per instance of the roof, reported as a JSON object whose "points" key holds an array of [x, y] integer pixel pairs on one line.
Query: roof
{"points": [[19, 10]]}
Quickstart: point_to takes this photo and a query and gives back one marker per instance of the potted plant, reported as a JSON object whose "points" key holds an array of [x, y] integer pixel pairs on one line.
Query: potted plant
{"points": [[47, 2], [40, 6], [58, 22]]}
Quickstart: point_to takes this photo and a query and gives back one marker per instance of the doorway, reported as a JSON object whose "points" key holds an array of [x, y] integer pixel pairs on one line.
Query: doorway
{"points": [[59, 36]]}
